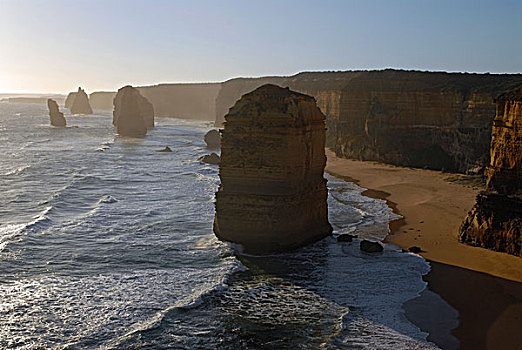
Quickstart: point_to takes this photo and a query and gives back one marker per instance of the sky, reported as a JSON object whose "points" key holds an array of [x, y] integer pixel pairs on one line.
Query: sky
{"points": [[58, 45]]}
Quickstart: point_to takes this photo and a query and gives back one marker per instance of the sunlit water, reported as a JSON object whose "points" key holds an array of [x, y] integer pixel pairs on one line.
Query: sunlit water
{"points": [[105, 243]]}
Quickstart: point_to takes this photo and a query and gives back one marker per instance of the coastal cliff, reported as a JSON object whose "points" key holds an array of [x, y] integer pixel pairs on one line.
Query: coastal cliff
{"points": [[272, 195], [423, 119], [495, 222], [102, 99], [186, 101], [56, 117], [80, 103], [133, 114]]}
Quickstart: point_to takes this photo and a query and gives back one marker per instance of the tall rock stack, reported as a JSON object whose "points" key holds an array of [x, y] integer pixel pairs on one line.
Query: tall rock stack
{"points": [[80, 103], [273, 194], [57, 118], [495, 222], [133, 114]]}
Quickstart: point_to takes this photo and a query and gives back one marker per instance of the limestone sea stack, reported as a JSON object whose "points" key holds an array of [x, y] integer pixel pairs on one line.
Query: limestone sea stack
{"points": [[80, 103], [57, 118], [133, 114], [272, 195], [495, 222]]}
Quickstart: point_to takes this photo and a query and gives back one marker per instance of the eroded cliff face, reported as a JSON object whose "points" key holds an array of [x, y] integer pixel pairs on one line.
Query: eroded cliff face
{"points": [[273, 194], [495, 222], [80, 103], [133, 114], [102, 99], [57, 118], [421, 119]]}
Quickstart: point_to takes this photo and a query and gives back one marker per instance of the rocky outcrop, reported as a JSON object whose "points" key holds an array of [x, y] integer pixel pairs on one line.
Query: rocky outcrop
{"points": [[133, 114], [423, 119], [273, 194], [213, 139], [212, 158], [165, 150], [495, 222], [57, 118], [370, 246], [80, 103]]}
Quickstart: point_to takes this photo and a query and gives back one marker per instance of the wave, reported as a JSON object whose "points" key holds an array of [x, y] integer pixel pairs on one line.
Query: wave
{"points": [[9, 232], [16, 171], [191, 301]]}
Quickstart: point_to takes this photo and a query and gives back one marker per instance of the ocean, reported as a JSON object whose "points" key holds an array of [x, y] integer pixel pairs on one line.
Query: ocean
{"points": [[107, 244]]}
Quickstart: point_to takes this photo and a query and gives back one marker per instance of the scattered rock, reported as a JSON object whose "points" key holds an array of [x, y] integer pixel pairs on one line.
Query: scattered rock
{"points": [[213, 139], [80, 103], [212, 158], [166, 149], [415, 250], [345, 238], [57, 118], [371, 247]]}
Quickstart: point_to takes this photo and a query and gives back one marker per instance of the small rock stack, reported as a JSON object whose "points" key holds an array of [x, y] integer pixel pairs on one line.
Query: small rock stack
{"points": [[133, 114], [80, 103], [495, 222], [57, 118], [273, 194]]}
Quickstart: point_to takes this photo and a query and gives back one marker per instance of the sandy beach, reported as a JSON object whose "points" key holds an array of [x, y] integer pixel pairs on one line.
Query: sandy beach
{"points": [[482, 285]]}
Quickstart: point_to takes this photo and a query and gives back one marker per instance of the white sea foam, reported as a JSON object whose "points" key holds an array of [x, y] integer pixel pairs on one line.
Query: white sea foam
{"points": [[9, 232]]}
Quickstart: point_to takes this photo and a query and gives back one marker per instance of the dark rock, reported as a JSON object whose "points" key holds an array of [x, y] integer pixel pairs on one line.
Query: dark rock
{"points": [[415, 250], [133, 114], [371, 247], [166, 149], [212, 158], [273, 193], [345, 238], [80, 103], [213, 139], [57, 118]]}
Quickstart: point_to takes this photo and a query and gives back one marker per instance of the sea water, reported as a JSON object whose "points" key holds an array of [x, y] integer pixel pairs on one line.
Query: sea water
{"points": [[107, 244]]}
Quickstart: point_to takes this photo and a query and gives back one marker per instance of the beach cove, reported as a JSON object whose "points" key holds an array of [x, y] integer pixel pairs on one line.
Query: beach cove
{"points": [[472, 280]]}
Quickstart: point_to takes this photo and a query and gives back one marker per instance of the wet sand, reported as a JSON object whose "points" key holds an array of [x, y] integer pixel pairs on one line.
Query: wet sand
{"points": [[482, 285]]}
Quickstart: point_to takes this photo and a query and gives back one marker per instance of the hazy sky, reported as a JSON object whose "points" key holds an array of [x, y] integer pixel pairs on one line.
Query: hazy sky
{"points": [[55, 46]]}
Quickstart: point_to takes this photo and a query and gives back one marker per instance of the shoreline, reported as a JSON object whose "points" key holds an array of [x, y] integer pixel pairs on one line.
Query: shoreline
{"points": [[483, 286]]}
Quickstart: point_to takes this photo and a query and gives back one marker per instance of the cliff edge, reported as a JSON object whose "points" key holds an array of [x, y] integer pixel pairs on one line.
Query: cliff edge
{"points": [[273, 194], [495, 222]]}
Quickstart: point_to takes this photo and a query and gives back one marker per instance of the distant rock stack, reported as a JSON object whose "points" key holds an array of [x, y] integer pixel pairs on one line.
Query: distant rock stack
{"points": [[495, 222], [57, 118], [133, 114], [273, 194], [70, 99], [80, 103], [213, 139]]}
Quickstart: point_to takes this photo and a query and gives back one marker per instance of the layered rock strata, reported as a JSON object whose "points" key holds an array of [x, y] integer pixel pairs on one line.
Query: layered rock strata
{"points": [[57, 118], [133, 114], [435, 120], [495, 222], [80, 103], [273, 194]]}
